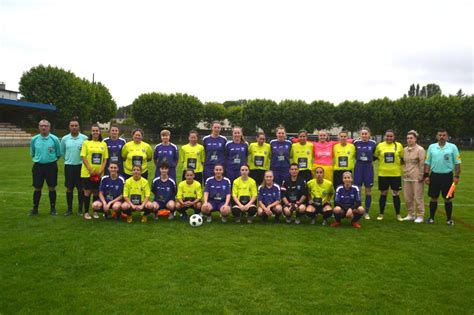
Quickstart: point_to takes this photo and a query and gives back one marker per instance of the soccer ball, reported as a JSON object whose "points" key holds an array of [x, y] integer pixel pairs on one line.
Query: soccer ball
{"points": [[195, 220]]}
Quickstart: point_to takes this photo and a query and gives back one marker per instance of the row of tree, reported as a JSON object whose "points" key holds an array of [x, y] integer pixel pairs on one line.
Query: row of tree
{"points": [[72, 96]]}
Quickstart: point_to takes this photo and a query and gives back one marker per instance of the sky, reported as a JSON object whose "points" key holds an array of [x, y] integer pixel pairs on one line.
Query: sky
{"points": [[222, 50]]}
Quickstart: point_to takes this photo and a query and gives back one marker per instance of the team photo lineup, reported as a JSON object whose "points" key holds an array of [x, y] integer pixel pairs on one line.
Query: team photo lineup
{"points": [[266, 179]]}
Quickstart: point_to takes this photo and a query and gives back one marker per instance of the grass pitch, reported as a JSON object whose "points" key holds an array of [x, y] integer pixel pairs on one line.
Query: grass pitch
{"points": [[69, 265]]}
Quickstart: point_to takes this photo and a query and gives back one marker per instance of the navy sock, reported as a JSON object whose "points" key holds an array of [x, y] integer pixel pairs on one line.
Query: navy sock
{"points": [[327, 214], [252, 211], [433, 206], [236, 212], [52, 199], [36, 199], [87, 203], [80, 199], [339, 216], [311, 215], [449, 210], [382, 202], [69, 198], [368, 202], [396, 204], [356, 217]]}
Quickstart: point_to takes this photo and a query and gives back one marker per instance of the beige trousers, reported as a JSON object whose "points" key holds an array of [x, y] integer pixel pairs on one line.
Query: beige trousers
{"points": [[413, 195]]}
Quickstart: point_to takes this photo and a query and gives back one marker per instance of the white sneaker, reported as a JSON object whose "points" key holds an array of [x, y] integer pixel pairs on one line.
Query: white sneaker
{"points": [[399, 218], [297, 220], [367, 216], [380, 217], [287, 220], [209, 218], [313, 221], [250, 220], [171, 215], [419, 220], [409, 218], [87, 216], [223, 219], [95, 215]]}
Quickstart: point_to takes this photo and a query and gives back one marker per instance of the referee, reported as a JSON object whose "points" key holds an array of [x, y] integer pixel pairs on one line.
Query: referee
{"points": [[442, 158], [45, 151]]}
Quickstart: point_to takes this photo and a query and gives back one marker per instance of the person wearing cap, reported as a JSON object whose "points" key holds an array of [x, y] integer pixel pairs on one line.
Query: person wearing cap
{"points": [[45, 151], [442, 159], [414, 158], [94, 154]]}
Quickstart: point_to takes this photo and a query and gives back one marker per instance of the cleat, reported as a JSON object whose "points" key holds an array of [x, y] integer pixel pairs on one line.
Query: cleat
{"points": [[313, 221], [144, 219], [419, 220], [430, 221], [209, 218], [237, 220], [297, 221], [335, 224], [68, 213], [33, 212], [79, 213], [409, 218], [399, 218], [288, 220], [224, 219], [450, 222], [250, 220], [129, 219], [324, 223], [380, 217], [170, 217], [114, 215], [53, 212], [95, 215], [87, 216], [367, 216], [356, 225]]}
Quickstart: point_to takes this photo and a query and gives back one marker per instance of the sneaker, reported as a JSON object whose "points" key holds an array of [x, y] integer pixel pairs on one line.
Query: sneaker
{"points": [[324, 223], [287, 220], [313, 221], [209, 218], [335, 224], [79, 213], [356, 225], [430, 221], [224, 219], [87, 216], [380, 217], [33, 212], [367, 216], [419, 220], [95, 215], [144, 219], [184, 216], [450, 222], [237, 220], [114, 214], [129, 219], [399, 218], [250, 220], [68, 213], [53, 212], [409, 218], [170, 217], [298, 221]]}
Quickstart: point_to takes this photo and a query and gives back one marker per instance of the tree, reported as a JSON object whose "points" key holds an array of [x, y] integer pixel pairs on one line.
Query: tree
{"points": [[319, 115], [228, 104], [412, 91], [257, 114], [460, 93], [350, 115], [103, 107], [234, 115], [430, 90], [294, 113], [213, 111], [379, 115]]}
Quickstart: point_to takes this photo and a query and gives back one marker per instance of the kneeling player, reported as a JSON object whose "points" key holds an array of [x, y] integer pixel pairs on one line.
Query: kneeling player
{"points": [[294, 192], [110, 193], [164, 189], [189, 195], [269, 198], [217, 195], [136, 194], [244, 194], [347, 202], [320, 191]]}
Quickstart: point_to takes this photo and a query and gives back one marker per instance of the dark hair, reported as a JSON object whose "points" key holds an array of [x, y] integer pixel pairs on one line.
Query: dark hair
{"points": [[246, 165], [317, 168], [74, 118], [390, 130], [114, 163], [365, 128], [344, 131], [189, 170], [114, 126], [164, 165], [302, 131], [294, 164], [441, 130], [193, 131], [100, 133], [218, 164], [137, 130], [136, 165]]}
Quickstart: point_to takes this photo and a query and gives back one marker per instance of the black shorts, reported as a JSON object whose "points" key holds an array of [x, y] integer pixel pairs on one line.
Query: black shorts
{"points": [[394, 182], [251, 207], [319, 208], [45, 172], [257, 176], [72, 177], [337, 177], [439, 183], [89, 185]]}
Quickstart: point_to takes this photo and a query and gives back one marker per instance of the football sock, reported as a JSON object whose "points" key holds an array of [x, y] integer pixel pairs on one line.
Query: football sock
{"points": [[382, 202], [449, 210], [433, 206], [396, 204]]}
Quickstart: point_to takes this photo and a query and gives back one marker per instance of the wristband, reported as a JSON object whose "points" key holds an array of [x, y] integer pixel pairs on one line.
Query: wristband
{"points": [[425, 175]]}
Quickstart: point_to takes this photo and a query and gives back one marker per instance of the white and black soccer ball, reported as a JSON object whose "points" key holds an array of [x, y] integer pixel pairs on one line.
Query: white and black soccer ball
{"points": [[195, 220]]}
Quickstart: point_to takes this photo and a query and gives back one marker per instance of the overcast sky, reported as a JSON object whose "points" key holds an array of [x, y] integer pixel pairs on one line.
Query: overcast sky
{"points": [[227, 50]]}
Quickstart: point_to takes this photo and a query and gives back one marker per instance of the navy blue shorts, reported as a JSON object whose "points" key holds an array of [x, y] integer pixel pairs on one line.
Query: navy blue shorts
{"points": [[216, 205], [364, 174]]}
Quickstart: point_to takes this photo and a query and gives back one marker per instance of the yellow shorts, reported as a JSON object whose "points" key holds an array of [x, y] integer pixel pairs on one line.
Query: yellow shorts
{"points": [[328, 171]]}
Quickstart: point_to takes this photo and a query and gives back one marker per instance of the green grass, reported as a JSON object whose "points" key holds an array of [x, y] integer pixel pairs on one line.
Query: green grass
{"points": [[68, 265]]}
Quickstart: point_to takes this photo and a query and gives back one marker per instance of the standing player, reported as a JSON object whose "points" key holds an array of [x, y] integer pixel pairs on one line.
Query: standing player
{"points": [[244, 195], [166, 152], [164, 189], [259, 158], [323, 154], [217, 195], [189, 195], [136, 152], [390, 156], [414, 157], [45, 151], [269, 199], [214, 146], [191, 157], [320, 192], [294, 192], [344, 158], [235, 154], [137, 195], [442, 159], [280, 150], [364, 169], [115, 145], [94, 156], [347, 203], [71, 145], [302, 154], [110, 192]]}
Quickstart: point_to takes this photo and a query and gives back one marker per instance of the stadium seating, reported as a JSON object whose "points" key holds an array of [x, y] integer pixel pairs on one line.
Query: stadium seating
{"points": [[12, 136]]}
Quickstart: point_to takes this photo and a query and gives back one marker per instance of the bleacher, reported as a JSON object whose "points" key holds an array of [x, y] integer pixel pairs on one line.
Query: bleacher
{"points": [[12, 136]]}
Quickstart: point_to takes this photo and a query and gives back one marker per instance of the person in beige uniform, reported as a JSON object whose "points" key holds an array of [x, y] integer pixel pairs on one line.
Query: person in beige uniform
{"points": [[414, 157]]}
